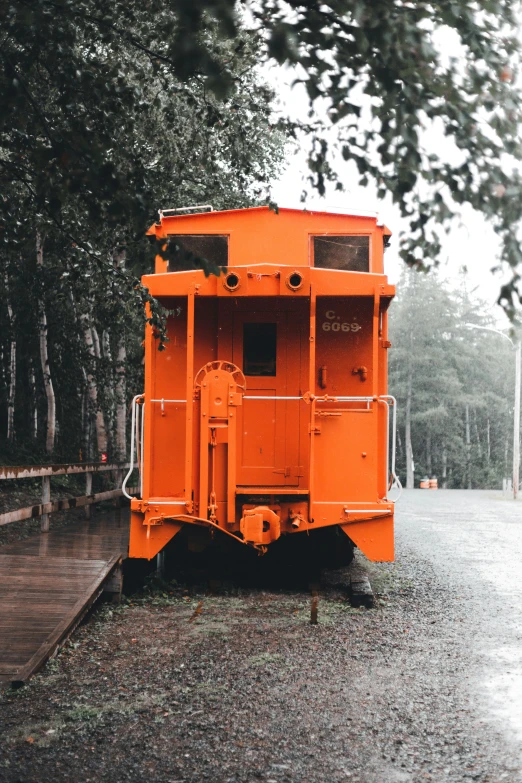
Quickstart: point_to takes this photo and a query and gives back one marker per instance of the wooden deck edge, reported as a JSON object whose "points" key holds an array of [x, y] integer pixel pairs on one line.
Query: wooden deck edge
{"points": [[65, 628]]}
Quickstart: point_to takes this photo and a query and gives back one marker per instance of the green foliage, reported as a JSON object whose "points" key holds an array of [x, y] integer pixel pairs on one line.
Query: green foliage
{"points": [[453, 367], [424, 98], [96, 133], [426, 103], [387, 72]]}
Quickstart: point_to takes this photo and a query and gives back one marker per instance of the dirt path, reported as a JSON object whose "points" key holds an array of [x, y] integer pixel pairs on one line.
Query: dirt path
{"points": [[247, 690]]}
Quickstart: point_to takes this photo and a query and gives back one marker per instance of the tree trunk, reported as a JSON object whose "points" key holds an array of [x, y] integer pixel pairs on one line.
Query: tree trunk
{"points": [[34, 396], [96, 342], [121, 410], [506, 454], [101, 430], [477, 435], [488, 442], [407, 438], [428, 453], [12, 369], [86, 426], [444, 467], [44, 360], [119, 258], [468, 449]]}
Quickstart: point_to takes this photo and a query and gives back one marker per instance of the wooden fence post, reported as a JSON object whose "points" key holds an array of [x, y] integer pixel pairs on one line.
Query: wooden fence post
{"points": [[88, 491], [118, 481], [46, 498]]}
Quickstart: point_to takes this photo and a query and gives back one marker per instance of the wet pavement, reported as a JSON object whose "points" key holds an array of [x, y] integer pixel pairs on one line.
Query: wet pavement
{"points": [[186, 686], [474, 541]]}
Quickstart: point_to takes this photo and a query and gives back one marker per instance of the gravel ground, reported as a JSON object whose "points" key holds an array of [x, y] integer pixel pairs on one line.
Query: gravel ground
{"points": [[183, 686]]}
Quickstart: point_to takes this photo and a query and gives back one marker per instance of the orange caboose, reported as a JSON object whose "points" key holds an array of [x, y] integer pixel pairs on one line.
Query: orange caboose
{"points": [[268, 414]]}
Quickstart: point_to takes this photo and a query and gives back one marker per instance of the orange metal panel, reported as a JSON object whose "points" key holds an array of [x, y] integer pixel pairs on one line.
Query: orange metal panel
{"points": [[344, 344], [145, 544], [165, 423], [374, 537], [346, 459]]}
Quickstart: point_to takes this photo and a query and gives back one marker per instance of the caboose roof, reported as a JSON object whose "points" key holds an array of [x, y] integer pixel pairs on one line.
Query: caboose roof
{"points": [[183, 221], [260, 235]]}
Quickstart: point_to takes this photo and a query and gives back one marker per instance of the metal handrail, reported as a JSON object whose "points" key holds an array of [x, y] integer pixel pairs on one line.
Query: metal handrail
{"points": [[269, 397], [164, 400], [396, 483], [132, 447]]}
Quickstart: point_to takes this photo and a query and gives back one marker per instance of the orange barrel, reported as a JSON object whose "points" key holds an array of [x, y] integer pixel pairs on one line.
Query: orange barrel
{"points": [[434, 484], [425, 483]]}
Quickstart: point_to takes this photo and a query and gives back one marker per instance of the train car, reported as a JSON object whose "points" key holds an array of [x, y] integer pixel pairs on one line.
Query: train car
{"points": [[267, 417]]}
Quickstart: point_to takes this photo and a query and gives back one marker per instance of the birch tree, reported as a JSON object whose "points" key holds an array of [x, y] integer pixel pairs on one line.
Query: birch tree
{"points": [[93, 349], [12, 367], [44, 359]]}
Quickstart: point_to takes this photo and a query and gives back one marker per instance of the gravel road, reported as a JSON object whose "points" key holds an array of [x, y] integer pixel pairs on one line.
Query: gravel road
{"points": [[181, 686]]}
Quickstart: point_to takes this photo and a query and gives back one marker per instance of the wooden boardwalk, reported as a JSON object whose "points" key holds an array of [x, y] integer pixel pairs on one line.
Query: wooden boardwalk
{"points": [[48, 582]]}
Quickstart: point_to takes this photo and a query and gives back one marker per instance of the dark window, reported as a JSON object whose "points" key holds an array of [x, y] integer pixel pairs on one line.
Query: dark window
{"points": [[186, 249], [259, 349], [341, 252]]}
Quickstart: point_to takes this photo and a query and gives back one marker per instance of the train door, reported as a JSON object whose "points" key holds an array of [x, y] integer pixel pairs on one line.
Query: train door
{"points": [[267, 347]]}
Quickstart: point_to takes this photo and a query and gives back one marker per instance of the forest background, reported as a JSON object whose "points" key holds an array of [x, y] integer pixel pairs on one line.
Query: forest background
{"points": [[108, 113]]}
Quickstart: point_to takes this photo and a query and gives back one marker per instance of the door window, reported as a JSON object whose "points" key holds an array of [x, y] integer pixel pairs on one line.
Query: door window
{"points": [[259, 348]]}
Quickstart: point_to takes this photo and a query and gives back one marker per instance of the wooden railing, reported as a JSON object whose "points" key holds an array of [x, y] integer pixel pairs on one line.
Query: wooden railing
{"points": [[46, 472]]}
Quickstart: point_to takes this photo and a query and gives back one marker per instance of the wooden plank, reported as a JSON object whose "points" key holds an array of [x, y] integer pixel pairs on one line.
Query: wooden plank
{"points": [[48, 582], [33, 643], [34, 471]]}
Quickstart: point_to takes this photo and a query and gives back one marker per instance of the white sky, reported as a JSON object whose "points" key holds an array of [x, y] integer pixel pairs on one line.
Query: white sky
{"points": [[471, 243]]}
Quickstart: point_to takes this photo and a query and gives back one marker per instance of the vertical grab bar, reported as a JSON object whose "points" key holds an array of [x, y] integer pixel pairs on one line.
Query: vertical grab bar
{"points": [[395, 479], [142, 445], [132, 447]]}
